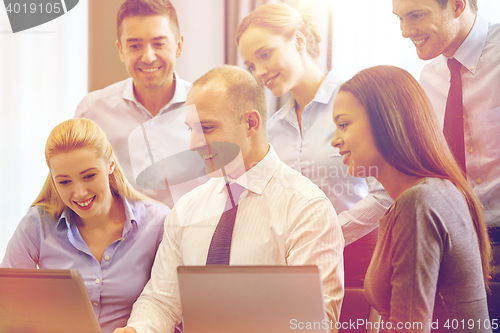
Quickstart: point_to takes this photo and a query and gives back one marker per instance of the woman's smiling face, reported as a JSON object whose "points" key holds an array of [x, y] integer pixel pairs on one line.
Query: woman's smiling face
{"points": [[82, 181], [354, 136], [274, 61]]}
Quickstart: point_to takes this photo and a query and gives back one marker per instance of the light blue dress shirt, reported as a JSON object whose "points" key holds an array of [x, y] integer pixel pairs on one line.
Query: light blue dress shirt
{"points": [[359, 202], [114, 284]]}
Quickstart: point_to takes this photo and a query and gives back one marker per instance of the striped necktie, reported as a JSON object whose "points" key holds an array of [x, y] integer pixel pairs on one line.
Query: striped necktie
{"points": [[454, 114], [220, 246]]}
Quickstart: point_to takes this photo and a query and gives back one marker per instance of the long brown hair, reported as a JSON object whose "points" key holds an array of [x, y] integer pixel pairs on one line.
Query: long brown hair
{"points": [[76, 134], [408, 136]]}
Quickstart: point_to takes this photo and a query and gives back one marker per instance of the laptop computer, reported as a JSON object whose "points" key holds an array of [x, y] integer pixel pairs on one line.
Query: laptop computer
{"points": [[45, 301], [248, 299]]}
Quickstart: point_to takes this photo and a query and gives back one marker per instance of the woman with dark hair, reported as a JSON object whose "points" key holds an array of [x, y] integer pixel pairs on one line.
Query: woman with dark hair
{"points": [[279, 46], [431, 263], [88, 217]]}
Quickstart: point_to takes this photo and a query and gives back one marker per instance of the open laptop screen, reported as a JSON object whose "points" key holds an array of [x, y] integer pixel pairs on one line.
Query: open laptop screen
{"points": [[45, 301], [251, 298]]}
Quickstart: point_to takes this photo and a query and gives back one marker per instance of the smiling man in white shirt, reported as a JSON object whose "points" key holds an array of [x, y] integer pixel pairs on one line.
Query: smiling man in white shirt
{"points": [[452, 29], [282, 218]]}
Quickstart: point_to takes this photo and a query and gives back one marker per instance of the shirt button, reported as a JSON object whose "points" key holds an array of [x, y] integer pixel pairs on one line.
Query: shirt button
{"points": [[305, 128], [479, 181], [96, 304], [122, 239], [97, 281], [471, 150], [472, 67], [106, 258]]}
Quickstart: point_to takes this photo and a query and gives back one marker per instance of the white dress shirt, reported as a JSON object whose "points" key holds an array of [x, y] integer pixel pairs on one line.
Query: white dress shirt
{"points": [[360, 202], [282, 219], [116, 110], [480, 56]]}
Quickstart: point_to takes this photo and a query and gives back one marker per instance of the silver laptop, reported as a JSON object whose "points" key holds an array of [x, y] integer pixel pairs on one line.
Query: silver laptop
{"points": [[45, 301], [251, 299]]}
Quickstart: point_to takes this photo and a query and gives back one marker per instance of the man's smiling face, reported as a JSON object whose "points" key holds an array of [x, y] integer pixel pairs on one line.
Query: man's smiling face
{"points": [[216, 133], [432, 29], [149, 49]]}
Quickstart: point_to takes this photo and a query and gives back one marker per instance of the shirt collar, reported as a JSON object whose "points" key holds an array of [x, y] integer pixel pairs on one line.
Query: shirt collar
{"points": [[469, 52], [129, 217], [128, 93], [257, 178], [325, 91], [323, 95], [180, 93], [66, 218]]}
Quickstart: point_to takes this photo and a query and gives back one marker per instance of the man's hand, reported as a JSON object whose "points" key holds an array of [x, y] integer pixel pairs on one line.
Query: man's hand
{"points": [[127, 329]]}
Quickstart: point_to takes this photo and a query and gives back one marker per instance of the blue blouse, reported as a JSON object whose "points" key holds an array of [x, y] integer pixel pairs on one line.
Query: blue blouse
{"points": [[114, 284]]}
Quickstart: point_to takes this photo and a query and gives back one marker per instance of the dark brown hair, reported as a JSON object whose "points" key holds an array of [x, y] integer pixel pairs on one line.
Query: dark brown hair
{"points": [[147, 8]]}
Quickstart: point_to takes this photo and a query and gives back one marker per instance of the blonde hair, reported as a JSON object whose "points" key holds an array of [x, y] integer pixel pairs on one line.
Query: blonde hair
{"points": [[76, 134], [408, 136], [281, 19]]}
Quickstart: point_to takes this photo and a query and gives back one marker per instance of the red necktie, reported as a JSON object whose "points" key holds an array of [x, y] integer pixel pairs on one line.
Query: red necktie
{"points": [[454, 114]]}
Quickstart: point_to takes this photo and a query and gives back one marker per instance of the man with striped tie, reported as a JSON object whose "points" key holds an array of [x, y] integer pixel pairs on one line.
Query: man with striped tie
{"points": [[255, 210]]}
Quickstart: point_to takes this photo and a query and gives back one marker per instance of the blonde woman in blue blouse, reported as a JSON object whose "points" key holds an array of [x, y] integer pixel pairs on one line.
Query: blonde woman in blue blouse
{"points": [[88, 217]]}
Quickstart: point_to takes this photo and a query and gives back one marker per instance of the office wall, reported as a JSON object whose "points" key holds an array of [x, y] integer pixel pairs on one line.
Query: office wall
{"points": [[43, 77], [202, 23], [105, 66]]}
